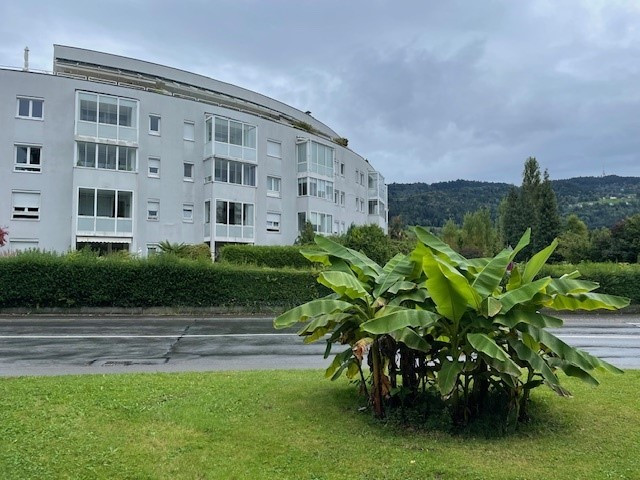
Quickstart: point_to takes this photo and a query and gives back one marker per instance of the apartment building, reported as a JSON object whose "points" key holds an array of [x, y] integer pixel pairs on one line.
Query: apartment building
{"points": [[117, 153]]}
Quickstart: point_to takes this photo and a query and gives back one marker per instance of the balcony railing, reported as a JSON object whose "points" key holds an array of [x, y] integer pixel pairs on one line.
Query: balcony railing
{"points": [[105, 226]]}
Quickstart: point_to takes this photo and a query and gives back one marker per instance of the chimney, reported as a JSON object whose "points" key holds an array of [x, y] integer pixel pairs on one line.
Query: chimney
{"points": [[26, 59]]}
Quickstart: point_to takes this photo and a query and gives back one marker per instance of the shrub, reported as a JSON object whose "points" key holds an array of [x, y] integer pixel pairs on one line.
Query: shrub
{"points": [[34, 280], [614, 278], [264, 256]]}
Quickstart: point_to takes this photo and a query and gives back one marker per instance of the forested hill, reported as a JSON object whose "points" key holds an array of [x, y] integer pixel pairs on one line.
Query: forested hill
{"points": [[598, 201]]}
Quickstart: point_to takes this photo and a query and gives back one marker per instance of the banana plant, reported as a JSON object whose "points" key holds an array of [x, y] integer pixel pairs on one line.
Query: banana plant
{"points": [[466, 327]]}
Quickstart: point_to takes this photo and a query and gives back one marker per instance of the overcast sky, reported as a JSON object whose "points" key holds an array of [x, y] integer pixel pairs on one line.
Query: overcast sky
{"points": [[426, 90]]}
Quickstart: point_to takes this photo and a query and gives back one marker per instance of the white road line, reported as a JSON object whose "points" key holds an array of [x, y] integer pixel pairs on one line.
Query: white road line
{"points": [[602, 337], [151, 336]]}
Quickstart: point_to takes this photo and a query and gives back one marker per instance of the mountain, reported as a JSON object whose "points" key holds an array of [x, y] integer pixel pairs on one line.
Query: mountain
{"points": [[598, 201]]}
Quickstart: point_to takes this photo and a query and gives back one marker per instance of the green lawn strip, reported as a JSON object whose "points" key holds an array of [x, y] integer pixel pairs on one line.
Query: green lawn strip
{"points": [[294, 425]]}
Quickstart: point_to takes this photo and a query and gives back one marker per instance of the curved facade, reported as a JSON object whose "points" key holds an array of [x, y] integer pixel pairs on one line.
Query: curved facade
{"points": [[118, 153]]}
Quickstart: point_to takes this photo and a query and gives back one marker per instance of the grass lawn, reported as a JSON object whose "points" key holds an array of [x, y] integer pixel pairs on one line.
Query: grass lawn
{"points": [[294, 425]]}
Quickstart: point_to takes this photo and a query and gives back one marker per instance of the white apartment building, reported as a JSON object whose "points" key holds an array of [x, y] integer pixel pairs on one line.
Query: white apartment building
{"points": [[118, 153]]}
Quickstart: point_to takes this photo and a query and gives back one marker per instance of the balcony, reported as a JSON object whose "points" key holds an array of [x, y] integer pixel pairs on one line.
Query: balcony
{"points": [[105, 226]]}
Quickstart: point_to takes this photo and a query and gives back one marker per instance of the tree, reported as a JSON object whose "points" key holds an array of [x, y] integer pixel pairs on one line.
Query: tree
{"points": [[370, 240], [451, 234], [600, 245], [478, 235], [397, 228], [625, 239], [306, 235], [3, 236], [548, 226], [435, 322], [573, 244]]}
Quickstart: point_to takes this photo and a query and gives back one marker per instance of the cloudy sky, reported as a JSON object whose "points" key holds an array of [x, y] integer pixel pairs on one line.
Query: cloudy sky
{"points": [[426, 90]]}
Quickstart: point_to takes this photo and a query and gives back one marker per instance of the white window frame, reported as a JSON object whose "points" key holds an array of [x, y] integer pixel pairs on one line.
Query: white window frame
{"points": [[26, 167], [157, 133], [97, 155], [193, 131], [25, 212], [324, 220], [151, 174], [242, 172], [152, 249], [274, 222], [274, 142], [187, 207], [193, 169], [22, 241], [151, 217], [273, 182], [30, 100]]}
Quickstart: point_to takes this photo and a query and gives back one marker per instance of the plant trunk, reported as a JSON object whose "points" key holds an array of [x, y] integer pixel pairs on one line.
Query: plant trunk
{"points": [[376, 389]]}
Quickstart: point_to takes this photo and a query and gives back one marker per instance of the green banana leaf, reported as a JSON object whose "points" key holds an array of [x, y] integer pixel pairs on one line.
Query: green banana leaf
{"points": [[448, 376], [400, 319], [522, 294], [482, 343], [534, 265], [588, 301], [358, 261], [344, 284], [310, 309]]}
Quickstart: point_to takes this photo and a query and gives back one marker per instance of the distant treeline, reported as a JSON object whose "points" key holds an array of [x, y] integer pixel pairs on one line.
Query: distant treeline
{"points": [[598, 201]]}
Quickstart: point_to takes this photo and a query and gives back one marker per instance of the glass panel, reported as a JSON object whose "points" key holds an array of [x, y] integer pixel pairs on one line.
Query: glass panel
{"points": [[106, 203], [188, 170], [222, 130], [208, 130], [274, 149], [221, 212], [86, 202], [189, 131], [235, 213], [107, 156], [235, 172], [250, 136], [302, 187], [127, 113], [126, 159], [35, 156], [221, 170], [23, 107], [154, 123], [85, 224], [124, 204], [88, 108], [86, 154], [248, 214], [249, 175], [21, 154], [207, 212], [36, 108], [105, 225], [302, 219], [235, 133], [108, 111]]}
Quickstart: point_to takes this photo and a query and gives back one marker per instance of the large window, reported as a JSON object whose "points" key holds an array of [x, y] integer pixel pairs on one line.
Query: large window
{"points": [[107, 110], [234, 219], [25, 205], [228, 171], [32, 108], [232, 138], [273, 222], [321, 222], [314, 187], [109, 157], [105, 212], [28, 158], [274, 149], [189, 131], [315, 158]]}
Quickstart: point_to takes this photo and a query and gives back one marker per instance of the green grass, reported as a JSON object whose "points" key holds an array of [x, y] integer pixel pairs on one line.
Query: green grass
{"points": [[294, 425]]}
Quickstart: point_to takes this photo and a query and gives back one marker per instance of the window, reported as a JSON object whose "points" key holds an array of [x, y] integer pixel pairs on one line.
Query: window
{"points": [[187, 212], [342, 195], [25, 205], [27, 158], [152, 249], [232, 138], [188, 171], [154, 124], [189, 131], [234, 213], [22, 245], [321, 222], [207, 211], [373, 207], [315, 158], [229, 171], [361, 205], [274, 149], [273, 186], [357, 175], [154, 167], [153, 209], [32, 108], [314, 187], [302, 220], [273, 222], [107, 110], [336, 196], [110, 157], [342, 168], [362, 178]]}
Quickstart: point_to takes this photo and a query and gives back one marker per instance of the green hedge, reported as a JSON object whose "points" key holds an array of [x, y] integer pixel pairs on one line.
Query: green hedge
{"points": [[614, 278], [43, 280], [264, 256]]}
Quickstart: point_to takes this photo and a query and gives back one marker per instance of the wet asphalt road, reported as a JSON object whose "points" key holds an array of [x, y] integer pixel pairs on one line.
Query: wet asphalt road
{"points": [[48, 345]]}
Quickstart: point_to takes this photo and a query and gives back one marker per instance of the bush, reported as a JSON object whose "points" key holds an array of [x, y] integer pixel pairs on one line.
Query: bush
{"points": [[37, 280], [621, 279], [264, 256]]}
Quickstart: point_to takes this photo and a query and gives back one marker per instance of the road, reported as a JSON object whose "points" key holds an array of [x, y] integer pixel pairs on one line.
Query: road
{"points": [[47, 345]]}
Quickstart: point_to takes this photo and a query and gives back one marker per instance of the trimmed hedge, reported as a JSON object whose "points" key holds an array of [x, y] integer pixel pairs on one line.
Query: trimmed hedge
{"points": [[44, 281], [614, 278], [264, 256]]}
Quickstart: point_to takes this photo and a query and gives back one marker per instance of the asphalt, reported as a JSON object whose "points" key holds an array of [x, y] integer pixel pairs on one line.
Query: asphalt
{"points": [[56, 345]]}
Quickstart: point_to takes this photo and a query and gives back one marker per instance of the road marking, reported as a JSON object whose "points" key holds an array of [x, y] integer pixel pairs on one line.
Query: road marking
{"points": [[603, 337], [177, 335]]}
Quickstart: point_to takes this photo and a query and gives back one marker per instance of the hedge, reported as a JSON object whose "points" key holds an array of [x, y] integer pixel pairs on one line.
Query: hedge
{"points": [[614, 278], [264, 256], [43, 280]]}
